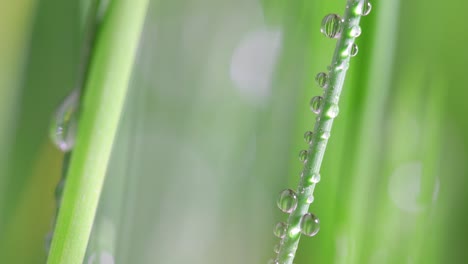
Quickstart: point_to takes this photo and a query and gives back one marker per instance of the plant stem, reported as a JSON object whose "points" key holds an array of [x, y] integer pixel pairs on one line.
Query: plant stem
{"points": [[322, 129], [106, 87]]}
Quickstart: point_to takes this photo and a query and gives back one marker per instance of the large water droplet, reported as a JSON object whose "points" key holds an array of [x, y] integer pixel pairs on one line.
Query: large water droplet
{"points": [[280, 229], [287, 201], [101, 258], [303, 154], [308, 136], [355, 31], [331, 26], [316, 104], [366, 9], [354, 50], [322, 79], [333, 111], [310, 224], [64, 123]]}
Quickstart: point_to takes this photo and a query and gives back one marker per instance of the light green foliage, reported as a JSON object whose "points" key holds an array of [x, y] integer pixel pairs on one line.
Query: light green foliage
{"points": [[198, 162]]}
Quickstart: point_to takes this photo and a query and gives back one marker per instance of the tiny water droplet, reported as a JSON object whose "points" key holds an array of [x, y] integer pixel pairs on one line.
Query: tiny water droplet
{"points": [[325, 135], [322, 79], [287, 201], [310, 224], [333, 111], [308, 136], [316, 104], [303, 154], [273, 261], [343, 66], [315, 178], [101, 258], [355, 31], [331, 26], [64, 124], [354, 50], [276, 249], [366, 9], [280, 229], [48, 241], [310, 199]]}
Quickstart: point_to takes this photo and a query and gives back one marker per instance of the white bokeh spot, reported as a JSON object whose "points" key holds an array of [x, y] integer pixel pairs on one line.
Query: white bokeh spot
{"points": [[253, 63], [405, 187]]}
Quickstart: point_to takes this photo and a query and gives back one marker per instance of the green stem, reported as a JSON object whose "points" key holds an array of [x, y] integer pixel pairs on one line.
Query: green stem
{"points": [[322, 129], [106, 87]]}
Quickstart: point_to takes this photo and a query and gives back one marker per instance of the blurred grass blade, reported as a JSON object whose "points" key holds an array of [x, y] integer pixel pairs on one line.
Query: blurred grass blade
{"points": [[15, 22]]}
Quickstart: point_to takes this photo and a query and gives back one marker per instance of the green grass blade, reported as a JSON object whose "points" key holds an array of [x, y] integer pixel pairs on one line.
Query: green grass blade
{"points": [[111, 67], [328, 111]]}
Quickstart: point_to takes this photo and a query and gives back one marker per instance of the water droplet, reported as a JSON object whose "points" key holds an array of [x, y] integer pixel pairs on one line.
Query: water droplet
{"points": [[333, 111], [276, 249], [303, 154], [48, 241], [101, 258], [366, 8], [64, 123], [343, 66], [354, 50], [315, 178], [287, 201], [308, 136], [325, 135], [310, 199], [273, 261], [280, 229], [322, 79], [331, 26], [355, 31], [310, 224], [316, 104]]}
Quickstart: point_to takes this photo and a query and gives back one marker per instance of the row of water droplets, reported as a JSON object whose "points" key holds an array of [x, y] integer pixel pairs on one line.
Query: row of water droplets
{"points": [[331, 27]]}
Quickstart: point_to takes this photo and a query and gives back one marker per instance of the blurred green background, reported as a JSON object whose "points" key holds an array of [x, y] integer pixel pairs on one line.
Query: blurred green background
{"points": [[214, 119]]}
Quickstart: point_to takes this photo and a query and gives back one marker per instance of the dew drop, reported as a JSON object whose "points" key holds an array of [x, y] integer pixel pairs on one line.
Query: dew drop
{"points": [[331, 26], [343, 66], [354, 50], [325, 135], [303, 154], [316, 104], [310, 199], [333, 111], [308, 136], [355, 31], [310, 224], [101, 258], [366, 9], [280, 229], [48, 241], [322, 79], [315, 178], [64, 124], [287, 201], [276, 249]]}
